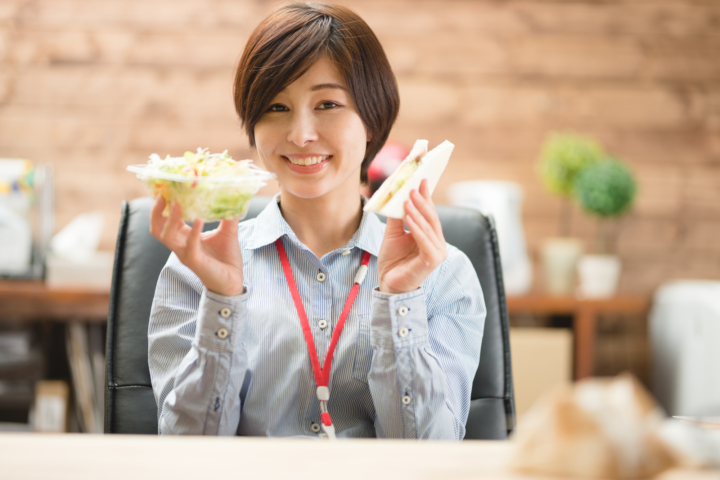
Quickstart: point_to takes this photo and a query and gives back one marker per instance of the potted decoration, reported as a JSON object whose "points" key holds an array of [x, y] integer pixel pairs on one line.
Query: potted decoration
{"points": [[605, 189], [563, 156]]}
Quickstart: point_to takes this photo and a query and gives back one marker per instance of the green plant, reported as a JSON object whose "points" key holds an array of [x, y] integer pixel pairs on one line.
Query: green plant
{"points": [[607, 189], [562, 156]]}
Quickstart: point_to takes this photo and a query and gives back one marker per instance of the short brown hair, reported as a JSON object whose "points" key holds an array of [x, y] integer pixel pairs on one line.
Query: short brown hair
{"points": [[288, 41]]}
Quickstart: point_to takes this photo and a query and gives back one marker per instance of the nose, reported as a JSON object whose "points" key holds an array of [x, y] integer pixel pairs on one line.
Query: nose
{"points": [[302, 129]]}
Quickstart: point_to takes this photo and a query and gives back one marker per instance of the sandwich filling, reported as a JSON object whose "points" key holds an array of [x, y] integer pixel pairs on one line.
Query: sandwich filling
{"points": [[405, 172]]}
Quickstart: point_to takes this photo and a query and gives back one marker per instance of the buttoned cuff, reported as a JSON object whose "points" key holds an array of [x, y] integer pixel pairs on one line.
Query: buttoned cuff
{"points": [[399, 320], [220, 320]]}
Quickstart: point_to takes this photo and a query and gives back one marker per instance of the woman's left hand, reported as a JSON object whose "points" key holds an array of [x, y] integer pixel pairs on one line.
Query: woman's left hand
{"points": [[407, 259]]}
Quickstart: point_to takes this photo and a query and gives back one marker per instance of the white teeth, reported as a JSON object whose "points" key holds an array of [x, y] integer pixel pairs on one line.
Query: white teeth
{"points": [[307, 161]]}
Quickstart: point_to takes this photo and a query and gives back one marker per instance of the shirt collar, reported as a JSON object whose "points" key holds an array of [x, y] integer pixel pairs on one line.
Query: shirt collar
{"points": [[270, 225]]}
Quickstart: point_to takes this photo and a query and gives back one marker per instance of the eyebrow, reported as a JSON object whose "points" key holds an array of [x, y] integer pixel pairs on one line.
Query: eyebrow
{"points": [[323, 86]]}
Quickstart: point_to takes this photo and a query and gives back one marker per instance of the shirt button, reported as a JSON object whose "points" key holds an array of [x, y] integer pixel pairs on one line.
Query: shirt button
{"points": [[406, 400], [322, 324], [222, 333], [321, 277], [402, 311], [403, 332], [346, 252], [225, 312], [315, 427]]}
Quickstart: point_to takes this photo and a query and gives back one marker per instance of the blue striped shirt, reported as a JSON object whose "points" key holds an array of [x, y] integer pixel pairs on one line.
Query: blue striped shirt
{"points": [[240, 366]]}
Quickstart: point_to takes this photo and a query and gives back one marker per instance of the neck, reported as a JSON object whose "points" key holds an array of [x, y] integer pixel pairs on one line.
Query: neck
{"points": [[325, 223]]}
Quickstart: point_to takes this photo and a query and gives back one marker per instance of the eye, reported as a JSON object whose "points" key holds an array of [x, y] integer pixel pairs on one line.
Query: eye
{"points": [[277, 107], [328, 105]]}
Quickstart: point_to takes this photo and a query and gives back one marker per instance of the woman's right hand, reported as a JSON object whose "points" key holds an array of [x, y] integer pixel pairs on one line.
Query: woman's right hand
{"points": [[215, 257]]}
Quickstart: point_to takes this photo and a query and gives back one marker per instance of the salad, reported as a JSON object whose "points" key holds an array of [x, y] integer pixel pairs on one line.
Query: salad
{"points": [[211, 186]]}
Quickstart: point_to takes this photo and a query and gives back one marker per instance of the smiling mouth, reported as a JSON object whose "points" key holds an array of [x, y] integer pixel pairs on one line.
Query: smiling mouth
{"points": [[307, 161]]}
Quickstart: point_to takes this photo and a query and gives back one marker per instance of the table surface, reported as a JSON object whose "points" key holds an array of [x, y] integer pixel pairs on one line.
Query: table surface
{"points": [[32, 300], [568, 304], [107, 457]]}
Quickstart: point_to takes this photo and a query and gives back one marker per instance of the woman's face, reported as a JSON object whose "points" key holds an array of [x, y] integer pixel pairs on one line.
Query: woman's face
{"points": [[311, 135]]}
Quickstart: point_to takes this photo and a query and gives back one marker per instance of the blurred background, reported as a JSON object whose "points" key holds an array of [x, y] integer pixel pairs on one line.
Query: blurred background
{"points": [[91, 87]]}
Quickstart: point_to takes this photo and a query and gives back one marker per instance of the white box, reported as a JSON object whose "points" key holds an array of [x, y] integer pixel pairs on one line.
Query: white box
{"points": [[94, 274], [685, 335], [541, 361], [51, 405]]}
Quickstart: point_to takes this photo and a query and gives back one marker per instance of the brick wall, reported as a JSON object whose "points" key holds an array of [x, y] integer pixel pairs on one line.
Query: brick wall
{"points": [[93, 86]]}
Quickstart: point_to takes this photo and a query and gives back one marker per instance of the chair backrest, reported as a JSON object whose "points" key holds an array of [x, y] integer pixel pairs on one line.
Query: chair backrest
{"points": [[130, 404]]}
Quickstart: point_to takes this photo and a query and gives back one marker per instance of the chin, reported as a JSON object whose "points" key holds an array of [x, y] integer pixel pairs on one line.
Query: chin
{"points": [[306, 190]]}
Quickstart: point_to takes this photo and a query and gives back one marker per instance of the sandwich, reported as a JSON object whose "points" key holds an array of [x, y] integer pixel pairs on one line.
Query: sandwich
{"points": [[420, 164]]}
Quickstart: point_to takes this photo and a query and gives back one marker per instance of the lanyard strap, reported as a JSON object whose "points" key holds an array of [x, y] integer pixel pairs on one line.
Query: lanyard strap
{"points": [[322, 375]]}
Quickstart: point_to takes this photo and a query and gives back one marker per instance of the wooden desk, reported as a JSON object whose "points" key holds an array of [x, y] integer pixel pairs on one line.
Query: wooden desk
{"points": [[30, 301], [123, 457], [584, 313], [34, 301]]}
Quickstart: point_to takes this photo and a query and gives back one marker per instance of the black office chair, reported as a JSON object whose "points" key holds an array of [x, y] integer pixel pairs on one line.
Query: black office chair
{"points": [[129, 402]]}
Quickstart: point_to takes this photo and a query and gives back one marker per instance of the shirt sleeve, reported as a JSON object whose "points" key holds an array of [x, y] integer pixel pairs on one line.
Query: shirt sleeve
{"points": [[196, 355], [426, 351]]}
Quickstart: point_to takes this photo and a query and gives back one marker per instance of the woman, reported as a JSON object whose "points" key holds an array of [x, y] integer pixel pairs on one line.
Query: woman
{"points": [[243, 322]]}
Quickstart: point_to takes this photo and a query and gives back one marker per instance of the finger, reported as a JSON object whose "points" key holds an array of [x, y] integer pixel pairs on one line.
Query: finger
{"points": [[174, 233], [229, 227], [427, 209], [425, 191], [421, 222], [157, 221], [394, 226], [429, 253], [192, 252]]}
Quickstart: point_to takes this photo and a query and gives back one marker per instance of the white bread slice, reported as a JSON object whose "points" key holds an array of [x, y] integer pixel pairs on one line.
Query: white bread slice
{"points": [[378, 200], [431, 168]]}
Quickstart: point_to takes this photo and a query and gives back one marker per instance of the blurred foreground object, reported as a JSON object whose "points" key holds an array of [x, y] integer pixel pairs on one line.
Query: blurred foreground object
{"points": [[685, 339], [26, 216], [605, 428], [502, 200], [74, 261]]}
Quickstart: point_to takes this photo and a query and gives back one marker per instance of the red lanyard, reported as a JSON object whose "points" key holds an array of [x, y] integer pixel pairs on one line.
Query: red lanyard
{"points": [[322, 375]]}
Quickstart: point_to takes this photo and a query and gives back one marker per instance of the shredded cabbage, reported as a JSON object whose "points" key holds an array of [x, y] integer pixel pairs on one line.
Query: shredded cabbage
{"points": [[211, 186], [403, 176]]}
